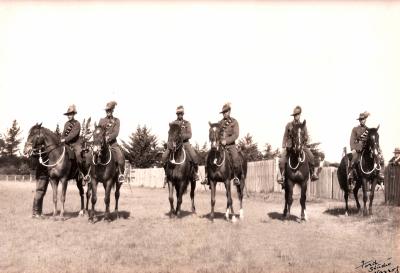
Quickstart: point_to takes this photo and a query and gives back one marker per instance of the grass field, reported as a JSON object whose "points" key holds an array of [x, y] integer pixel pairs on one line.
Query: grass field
{"points": [[147, 240]]}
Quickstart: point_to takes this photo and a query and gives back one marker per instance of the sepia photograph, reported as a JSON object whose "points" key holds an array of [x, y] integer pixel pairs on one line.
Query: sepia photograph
{"points": [[199, 136]]}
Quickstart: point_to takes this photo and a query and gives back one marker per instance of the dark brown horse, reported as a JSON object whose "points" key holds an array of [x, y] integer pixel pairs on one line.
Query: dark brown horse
{"points": [[297, 170], [54, 155], [104, 170], [366, 172], [178, 170], [219, 168]]}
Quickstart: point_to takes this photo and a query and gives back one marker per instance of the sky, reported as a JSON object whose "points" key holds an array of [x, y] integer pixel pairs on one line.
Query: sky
{"points": [[335, 59]]}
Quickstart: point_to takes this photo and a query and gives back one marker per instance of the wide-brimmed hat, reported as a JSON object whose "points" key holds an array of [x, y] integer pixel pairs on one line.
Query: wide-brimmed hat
{"points": [[110, 105], [225, 108], [296, 111], [396, 151], [71, 110], [363, 115], [180, 109]]}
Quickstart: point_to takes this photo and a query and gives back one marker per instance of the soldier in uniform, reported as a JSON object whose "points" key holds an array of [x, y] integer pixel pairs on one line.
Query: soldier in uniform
{"points": [[231, 129], [357, 139], [395, 160], [42, 181], [287, 143], [112, 125], [186, 131], [70, 134]]}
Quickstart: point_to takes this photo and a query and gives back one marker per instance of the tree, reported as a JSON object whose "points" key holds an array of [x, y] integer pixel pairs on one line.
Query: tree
{"points": [[250, 149], [269, 153], [11, 140], [2, 145], [201, 152], [142, 150], [57, 131], [318, 155]]}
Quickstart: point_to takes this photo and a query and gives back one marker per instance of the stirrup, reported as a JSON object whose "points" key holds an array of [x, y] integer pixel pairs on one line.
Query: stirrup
{"points": [[121, 178]]}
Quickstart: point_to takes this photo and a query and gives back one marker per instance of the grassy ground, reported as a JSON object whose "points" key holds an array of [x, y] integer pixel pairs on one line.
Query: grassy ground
{"points": [[147, 240]]}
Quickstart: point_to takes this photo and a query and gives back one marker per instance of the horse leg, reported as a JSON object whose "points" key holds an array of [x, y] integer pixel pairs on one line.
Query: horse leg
{"points": [[179, 194], [240, 191], [171, 198], [94, 200], [355, 192], [117, 193], [229, 206], [290, 186], [346, 200], [285, 209], [88, 195], [82, 196], [303, 201], [365, 196], [371, 195], [108, 186], [54, 186], [64, 184], [192, 189], [213, 190]]}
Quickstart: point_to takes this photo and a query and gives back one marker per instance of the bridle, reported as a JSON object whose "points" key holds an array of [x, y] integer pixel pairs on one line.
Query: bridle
{"points": [[374, 153], [216, 144], [42, 150], [302, 155], [175, 150], [100, 150]]}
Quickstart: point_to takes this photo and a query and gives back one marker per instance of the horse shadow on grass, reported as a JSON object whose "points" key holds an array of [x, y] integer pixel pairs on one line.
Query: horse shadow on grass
{"points": [[184, 213], [341, 211], [218, 215], [279, 216], [75, 214]]}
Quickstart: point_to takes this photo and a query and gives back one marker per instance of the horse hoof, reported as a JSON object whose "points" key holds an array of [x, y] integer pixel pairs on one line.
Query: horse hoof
{"points": [[241, 214], [234, 219], [346, 214], [81, 213]]}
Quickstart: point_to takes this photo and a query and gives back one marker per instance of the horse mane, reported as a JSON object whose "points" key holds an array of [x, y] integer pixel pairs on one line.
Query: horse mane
{"points": [[49, 132]]}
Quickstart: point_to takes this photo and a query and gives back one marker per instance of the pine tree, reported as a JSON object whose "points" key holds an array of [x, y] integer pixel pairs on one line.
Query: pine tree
{"points": [[269, 153], [11, 140], [2, 145], [142, 150], [201, 152], [250, 149], [57, 131]]}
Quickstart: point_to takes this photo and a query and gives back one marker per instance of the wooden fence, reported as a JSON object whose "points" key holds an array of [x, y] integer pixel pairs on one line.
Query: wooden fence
{"points": [[392, 185]]}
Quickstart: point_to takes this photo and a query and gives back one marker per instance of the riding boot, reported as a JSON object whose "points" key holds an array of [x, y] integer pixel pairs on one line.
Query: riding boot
{"points": [[235, 179], [313, 172], [205, 181], [35, 208], [281, 178], [196, 172], [381, 177], [121, 176]]}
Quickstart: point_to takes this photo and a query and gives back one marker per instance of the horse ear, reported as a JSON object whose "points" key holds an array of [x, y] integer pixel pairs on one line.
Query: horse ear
{"points": [[40, 125], [209, 123], [95, 124], [377, 128]]}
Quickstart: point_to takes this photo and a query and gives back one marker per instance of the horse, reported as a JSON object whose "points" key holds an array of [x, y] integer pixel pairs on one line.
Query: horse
{"points": [[103, 168], [53, 154], [366, 171], [297, 170], [219, 167], [179, 170]]}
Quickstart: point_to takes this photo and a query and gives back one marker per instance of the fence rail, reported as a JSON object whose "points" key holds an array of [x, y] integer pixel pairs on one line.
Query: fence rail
{"points": [[261, 178]]}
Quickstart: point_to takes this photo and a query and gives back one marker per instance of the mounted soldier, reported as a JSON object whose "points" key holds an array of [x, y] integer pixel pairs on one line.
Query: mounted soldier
{"points": [[230, 127], [70, 135], [112, 125], [286, 144], [395, 160], [186, 130], [357, 142]]}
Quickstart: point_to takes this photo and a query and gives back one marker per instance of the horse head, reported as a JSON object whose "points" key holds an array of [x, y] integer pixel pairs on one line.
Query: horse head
{"points": [[372, 144], [35, 140], [99, 139], [298, 137], [216, 134], [174, 136]]}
